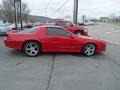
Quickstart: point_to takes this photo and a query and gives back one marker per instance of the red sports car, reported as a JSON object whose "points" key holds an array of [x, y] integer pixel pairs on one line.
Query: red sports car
{"points": [[45, 38]]}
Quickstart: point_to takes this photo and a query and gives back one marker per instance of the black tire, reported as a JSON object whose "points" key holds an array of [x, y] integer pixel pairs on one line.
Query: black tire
{"points": [[32, 48], [89, 49]]}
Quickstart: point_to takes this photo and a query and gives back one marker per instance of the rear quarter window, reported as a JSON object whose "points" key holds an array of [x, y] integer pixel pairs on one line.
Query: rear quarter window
{"points": [[30, 30]]}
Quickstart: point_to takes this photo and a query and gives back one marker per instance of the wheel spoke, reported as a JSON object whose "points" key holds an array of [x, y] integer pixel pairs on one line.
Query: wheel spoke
{"points": [[30, 45], [35, 51], [86, 51], [89, 53], [35, 47], [28, 48], [91, 49], [31, 52]]}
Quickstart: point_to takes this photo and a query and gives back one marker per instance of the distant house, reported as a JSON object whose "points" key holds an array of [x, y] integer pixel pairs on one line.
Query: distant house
{"points": [[104, 19], [42, 19], [31, 18]]}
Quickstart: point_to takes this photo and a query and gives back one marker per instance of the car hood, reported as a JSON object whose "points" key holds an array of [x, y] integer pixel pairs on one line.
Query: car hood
{"points": [[79, 27], [89, 39]]}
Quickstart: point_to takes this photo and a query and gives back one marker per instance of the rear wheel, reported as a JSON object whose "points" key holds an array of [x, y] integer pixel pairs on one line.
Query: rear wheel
{"points": [[89, 49], [32, 48]]}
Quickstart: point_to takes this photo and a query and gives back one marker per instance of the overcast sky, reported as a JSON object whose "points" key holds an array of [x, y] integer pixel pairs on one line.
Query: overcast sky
{"points": [[91, 8]]}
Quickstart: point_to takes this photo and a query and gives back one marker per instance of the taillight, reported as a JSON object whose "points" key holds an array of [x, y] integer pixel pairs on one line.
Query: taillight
{"points": [[7, 36]]}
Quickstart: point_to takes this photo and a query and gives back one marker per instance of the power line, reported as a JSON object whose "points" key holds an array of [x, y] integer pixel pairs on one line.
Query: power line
{"points": [[48, 4], [46, 8], [57, 10], [46, 11]]}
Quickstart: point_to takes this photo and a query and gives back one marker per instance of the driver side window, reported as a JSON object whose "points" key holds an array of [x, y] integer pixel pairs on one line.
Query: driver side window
{"points": [[52, 31]]}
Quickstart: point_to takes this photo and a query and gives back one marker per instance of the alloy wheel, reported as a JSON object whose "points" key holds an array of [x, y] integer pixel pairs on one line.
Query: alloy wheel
{"points": [[32, 49], [89, 49]]}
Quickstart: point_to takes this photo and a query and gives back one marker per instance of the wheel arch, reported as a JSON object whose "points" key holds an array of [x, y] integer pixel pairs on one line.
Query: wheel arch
{"points": [[88, 43], [31, 41]]}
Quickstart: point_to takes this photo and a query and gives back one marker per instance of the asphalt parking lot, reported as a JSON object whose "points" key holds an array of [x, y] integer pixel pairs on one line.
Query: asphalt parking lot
{"points": [[63, 71]]}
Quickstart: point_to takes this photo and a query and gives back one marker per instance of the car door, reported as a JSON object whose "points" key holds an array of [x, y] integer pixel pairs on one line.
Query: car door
{"points": [[59, 40]]}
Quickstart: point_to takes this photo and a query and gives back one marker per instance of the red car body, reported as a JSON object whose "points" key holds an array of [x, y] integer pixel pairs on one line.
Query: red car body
{"points": [[71, 27], [49, 43]]}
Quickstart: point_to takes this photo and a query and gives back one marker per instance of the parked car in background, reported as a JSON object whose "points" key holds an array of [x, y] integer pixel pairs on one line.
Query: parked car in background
{"points": [[4, 29], [81, 24], [12, 26], [86, 23], [89, 23], [36, 24], [78, 30], [36, 40]]}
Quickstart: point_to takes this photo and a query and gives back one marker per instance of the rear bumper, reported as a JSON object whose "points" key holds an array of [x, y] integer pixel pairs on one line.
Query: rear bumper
{"points": [[13, 44]]}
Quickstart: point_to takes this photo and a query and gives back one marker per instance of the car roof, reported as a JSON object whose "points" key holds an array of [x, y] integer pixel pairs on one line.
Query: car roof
{"points": [[51, 26]]}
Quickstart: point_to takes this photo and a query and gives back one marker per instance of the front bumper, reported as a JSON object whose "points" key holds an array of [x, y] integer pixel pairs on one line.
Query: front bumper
{"points": [[85, 33], [101, 48]]}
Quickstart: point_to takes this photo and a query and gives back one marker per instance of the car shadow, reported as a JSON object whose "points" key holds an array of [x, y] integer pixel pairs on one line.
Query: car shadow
{"points": [[100, 57], [17, 53]]}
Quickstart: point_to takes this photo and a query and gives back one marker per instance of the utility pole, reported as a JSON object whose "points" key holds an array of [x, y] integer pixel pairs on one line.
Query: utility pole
{"points": [[16, 6], [75, 12], [15, 12], [46, 15], [21, 18]]}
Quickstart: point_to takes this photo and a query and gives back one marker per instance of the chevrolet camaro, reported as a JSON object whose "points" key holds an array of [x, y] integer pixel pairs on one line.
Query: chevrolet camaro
{"points": [[46, 38]]}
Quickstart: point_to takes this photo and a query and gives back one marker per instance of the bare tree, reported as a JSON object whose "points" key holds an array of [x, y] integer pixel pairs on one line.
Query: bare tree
{"points": [[7, 7], [112, 17]]}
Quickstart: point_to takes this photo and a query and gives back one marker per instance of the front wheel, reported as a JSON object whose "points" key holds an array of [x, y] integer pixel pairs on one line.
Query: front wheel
{"points": [[89, 49], [78, 33], [32, 48]]}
